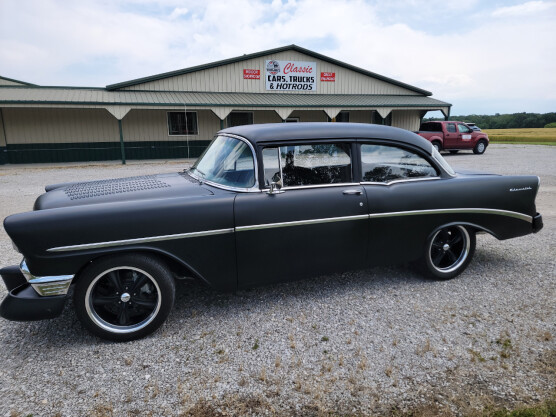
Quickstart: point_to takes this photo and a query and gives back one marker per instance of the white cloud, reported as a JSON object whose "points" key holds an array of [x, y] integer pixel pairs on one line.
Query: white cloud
{"points": [[531, 7], [493, 57]]}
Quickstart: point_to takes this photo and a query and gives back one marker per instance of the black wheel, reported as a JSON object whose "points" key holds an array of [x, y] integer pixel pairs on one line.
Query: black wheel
{"points": [[448, 252], [454, 151], [480, 147], [124, 297], [437, 145]]}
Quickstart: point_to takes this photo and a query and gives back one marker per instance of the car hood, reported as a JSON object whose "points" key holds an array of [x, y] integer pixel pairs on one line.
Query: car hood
{"points": [[145, 187]]}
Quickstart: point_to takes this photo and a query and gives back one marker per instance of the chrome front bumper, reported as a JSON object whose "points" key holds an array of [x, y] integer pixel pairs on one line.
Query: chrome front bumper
{"points": [[47, 286]]}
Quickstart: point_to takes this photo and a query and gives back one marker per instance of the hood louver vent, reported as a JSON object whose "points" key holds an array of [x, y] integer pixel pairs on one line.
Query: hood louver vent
{"points": [[114, 186]]}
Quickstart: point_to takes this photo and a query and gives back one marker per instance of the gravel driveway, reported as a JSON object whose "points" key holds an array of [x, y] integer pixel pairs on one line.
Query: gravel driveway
{"points": [[379, 341]]}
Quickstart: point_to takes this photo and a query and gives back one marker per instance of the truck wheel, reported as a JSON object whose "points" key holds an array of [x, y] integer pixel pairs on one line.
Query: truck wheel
{"points": [[480, 147], [437, 145], [125, 297], [447, 252]]}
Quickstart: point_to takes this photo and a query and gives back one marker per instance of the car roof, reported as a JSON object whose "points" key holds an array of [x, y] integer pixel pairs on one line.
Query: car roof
{"points": [[271, 132]]}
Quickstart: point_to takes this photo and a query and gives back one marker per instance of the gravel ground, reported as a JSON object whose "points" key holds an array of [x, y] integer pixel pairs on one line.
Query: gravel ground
{"points": [[376, 342]]}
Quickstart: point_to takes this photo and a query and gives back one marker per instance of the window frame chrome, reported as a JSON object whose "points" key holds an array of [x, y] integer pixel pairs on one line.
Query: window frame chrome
{"points": [[255, 188]]}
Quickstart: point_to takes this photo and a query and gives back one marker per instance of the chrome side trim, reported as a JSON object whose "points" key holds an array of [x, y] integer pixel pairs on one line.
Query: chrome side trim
{"points": [[399, 181], [139, 240], [304, 187], [45, 286], [300, 223], [514, 214]]}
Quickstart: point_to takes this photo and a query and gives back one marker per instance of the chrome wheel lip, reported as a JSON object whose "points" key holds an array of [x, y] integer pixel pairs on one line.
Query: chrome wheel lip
{"points": [[462, 256], [103, 324]]}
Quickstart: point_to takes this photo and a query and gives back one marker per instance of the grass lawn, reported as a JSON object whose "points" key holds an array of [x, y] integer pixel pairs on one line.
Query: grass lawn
{"points": [[528, 136]]}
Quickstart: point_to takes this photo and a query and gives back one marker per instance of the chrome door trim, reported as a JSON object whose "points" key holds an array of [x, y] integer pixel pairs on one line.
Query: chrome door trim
{"points": [[400, 181], [112, 243], [300, 222], [513, 214]]}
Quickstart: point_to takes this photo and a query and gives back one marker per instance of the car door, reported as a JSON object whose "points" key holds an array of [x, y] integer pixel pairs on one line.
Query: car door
{"points": [[315, 224], [398, 182], [451, 136], [465, 135]]}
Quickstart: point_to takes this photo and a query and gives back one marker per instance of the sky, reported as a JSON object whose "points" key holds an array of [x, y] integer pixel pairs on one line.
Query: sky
{"points": [[484, 57]]}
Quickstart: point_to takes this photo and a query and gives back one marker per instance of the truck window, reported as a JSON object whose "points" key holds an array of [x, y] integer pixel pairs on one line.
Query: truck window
{"points": [[431, 127], [451, 127], [463, 128]]}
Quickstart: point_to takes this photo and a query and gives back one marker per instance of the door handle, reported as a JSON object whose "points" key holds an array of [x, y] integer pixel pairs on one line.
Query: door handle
{"points": [[352, 192]]}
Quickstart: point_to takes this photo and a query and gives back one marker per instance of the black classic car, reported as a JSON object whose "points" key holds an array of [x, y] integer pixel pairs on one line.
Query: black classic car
{"points": [[305, 198]]}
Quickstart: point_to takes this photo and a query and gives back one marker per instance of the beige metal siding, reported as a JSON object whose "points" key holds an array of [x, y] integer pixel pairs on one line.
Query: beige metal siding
{"points": [[152, 125], [406, 119], [33, 125], [229, 78]]}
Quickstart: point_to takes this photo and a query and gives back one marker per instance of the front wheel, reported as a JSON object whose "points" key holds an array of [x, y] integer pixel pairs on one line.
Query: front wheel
{"points": [[480, 147], [448, 252], [124, 297]]}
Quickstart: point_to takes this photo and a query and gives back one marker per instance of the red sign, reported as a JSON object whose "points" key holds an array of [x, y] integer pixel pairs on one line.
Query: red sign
{"points": [[251, 74], [328, 76]]}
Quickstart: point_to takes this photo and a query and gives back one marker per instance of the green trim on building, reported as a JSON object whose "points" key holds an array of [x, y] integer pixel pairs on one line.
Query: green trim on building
{"points": [[99, 151], [258, 55], [3, 155]]}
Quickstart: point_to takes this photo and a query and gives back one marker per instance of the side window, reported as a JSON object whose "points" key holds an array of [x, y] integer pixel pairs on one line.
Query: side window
{"points": [[450, 127], [463, 129], [313, 164], [382, 163], [271, 166]]}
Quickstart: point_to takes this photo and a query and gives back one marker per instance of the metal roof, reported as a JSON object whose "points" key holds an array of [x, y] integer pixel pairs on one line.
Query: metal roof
{"points": [[301, 131], [102, 97], [258, 55], [16, 81]]}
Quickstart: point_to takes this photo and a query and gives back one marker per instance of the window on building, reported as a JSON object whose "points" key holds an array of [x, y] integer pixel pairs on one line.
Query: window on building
{"points": [[238, 118], [343, 116], [181, 123], [379, 120]]}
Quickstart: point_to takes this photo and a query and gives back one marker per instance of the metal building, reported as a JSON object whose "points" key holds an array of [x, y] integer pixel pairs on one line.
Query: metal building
{"points": [[176, 114]]}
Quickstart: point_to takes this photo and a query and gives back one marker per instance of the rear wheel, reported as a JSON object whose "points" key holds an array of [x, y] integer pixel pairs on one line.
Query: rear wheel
{"points": [[480, 147], [448, 252], [124, 297], [437, 145]]}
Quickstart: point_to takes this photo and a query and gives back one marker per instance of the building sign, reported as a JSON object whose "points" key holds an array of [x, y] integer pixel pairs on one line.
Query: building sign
{"points": [[291, 75], [251, 74], [328, 76]]}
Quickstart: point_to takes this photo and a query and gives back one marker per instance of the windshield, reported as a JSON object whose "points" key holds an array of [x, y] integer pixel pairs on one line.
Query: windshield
{"points": [[226, 161], [436, 155]]}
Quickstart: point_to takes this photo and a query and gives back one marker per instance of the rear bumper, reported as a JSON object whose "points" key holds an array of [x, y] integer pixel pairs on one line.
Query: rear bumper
{"points": [[23, 303], [537, 223]]}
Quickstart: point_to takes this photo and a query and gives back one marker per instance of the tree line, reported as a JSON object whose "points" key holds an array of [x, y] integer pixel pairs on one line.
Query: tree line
{"points": [[505, 121]]}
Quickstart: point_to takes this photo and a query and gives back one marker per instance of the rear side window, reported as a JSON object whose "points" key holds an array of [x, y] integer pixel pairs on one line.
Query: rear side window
{"points": [[431, 127], [381, 163], [450, 127], [311, 164]]}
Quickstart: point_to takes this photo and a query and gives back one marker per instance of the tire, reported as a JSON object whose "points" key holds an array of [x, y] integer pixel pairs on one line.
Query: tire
{"points": [[125, 297], [448, 252], [437, 145], [480, 147], [454, 151]]}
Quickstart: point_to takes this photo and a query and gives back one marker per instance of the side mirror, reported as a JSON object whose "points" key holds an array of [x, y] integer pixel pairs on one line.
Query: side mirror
{"points": [[275, 188]]}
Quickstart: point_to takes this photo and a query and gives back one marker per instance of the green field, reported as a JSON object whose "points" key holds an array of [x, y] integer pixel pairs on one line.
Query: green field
{"points": [[529, 136]]}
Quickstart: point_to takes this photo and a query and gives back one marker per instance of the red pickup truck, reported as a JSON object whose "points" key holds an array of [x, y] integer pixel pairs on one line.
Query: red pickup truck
{"points": [[454, 136]]}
